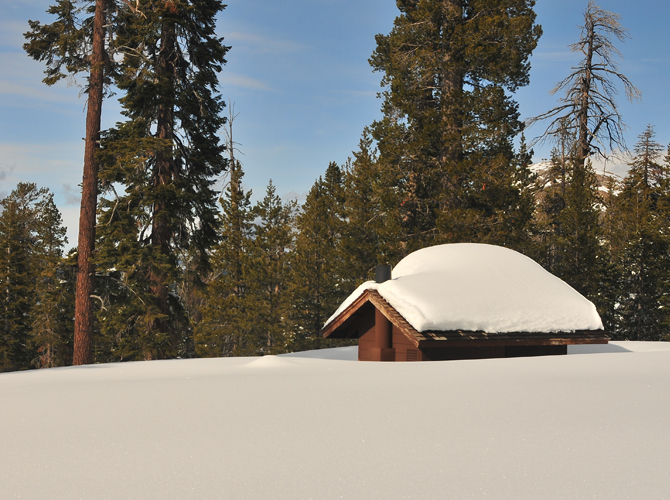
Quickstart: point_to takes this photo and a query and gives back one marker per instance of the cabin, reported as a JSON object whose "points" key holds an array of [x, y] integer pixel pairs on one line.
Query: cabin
{"points": [[464, 301]]}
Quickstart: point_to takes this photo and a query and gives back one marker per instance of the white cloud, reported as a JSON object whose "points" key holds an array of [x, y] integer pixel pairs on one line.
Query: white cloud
{"points": [[41, 160]]}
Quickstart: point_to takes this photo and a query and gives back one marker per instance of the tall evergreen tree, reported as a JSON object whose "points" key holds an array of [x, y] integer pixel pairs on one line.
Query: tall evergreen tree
{"points": [[76, 43], [644, 217], [580, 253], [552, 201], [166, 156], [31, 239], [51, 335], [449, 69], [316, 263], [369, 235], [227, 324], [15, 275], [569, 219], [269, 270]]}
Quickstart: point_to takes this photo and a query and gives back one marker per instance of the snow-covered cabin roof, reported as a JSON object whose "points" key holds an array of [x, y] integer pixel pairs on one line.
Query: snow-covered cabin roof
{"points": [[478, 287]]}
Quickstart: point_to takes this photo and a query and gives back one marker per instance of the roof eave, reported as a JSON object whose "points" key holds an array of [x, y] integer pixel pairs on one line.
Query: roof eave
{"points": [[472, 339], [373, 297], [460, 338]]}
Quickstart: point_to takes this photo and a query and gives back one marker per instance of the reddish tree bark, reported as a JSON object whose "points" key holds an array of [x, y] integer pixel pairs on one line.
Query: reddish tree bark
{"points": [[83, 319]]}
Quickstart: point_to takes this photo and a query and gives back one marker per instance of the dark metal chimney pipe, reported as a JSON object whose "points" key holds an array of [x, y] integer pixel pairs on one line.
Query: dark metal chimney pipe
{"points": [[382, 273]]}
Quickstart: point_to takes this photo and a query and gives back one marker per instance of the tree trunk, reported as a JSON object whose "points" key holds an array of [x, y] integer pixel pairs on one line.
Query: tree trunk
{"points": [[163, 174], [584, 146], [451, 83], [83, 319]]}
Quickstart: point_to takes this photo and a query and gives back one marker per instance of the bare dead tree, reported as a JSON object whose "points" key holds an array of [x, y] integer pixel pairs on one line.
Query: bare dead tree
{"points": [[589, 110]]}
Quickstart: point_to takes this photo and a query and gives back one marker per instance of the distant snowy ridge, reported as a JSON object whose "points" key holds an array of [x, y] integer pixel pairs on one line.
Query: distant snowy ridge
{"points": [[605, 178], [479, 287]]}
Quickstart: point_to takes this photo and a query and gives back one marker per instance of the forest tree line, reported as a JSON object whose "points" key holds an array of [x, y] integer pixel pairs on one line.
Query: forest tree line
{"points": [[181, 270]]}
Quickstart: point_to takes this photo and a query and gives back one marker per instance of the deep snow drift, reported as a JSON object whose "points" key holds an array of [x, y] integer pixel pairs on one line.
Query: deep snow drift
{"points": [[309, 425], [471, 286]]}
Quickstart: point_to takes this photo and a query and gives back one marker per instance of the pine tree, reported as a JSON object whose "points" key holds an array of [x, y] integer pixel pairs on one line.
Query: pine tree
{"points": [[128, 309], [76, 43], [644, 256], [316, 263], [552, 201], [16, 279], [449, 68], [580, 255], [166, 156], [51, 335], [31, 242], [368, 234], [519, 225], [569, 224], [227, 325], [269, 270]]}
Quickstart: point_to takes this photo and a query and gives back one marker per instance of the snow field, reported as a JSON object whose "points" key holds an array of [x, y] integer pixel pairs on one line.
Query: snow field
{"points": [[593, 425]]}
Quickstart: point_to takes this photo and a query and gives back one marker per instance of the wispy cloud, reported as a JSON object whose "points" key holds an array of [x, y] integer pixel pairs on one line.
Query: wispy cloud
{"points": [[360, 93], [300, 197], [262, 44], [11, 33], [555, 55], [46, 162], [22, 77], [31, 92], [4, 170], [72, 196], [235, 80]]}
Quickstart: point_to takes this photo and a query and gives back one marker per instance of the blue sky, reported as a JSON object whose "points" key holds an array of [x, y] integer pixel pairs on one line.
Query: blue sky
{"points": [[302, 88]]}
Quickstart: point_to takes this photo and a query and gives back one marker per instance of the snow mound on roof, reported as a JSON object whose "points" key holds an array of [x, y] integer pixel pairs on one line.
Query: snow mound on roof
{"points": [[470, 286]]}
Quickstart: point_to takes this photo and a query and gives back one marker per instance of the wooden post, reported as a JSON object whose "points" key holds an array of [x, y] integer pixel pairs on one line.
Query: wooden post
{"points": [[383, 350]]}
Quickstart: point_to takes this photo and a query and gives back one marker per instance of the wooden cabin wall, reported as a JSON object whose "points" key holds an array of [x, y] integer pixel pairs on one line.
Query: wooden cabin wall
{"points": [[404, 349], [366, 338], [402, 345]]}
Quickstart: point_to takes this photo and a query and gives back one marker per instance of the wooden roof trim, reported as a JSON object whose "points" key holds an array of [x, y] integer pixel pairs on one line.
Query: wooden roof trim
{"points": [[394, 317], [387, 310], [327, 330]]}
